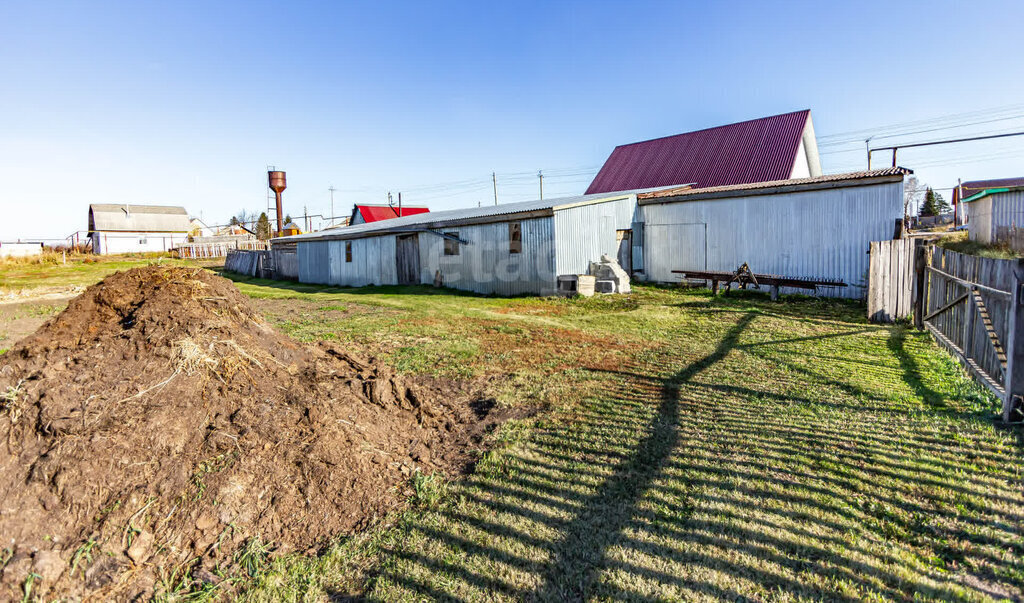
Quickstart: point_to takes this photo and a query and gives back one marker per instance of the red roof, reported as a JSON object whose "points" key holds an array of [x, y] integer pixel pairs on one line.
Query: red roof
{"points": [[751, 151], [977, 186], [376, 213]]}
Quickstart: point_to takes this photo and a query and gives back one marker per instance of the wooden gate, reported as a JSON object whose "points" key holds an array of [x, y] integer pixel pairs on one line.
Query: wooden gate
{"points": [[972, 306], [407, 259], [891, 278]]}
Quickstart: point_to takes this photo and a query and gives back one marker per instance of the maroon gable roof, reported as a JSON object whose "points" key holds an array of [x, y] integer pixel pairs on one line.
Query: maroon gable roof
{"points": [[977, 186], [751, 151]]}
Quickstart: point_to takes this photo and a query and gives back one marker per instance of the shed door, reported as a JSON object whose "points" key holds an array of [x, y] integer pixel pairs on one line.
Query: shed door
{"points": [[623, 238], [407, 259]]}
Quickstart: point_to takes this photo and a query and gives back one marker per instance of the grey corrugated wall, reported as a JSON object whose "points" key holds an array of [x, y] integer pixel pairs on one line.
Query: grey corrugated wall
{"points": [[979, 220], [484, 264], [1008, 218], [821, 234], [585, 232], [373, 262]]}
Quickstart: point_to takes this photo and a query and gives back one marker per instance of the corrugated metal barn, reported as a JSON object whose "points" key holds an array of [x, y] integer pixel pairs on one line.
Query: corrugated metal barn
{"points": [[996, 215], [809, 227], [804, 228], [511, 249]]}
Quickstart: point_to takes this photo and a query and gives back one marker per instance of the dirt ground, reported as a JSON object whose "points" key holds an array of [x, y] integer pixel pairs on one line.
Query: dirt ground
{"points": [[20, 317], [158, 433]]}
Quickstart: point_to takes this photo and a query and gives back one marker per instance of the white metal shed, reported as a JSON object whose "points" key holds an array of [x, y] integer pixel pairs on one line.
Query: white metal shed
{"points": [[802, 228], [511, 249]]}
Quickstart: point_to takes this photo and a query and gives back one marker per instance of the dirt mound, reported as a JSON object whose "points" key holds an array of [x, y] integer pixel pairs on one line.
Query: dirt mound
{"points": [[158, 431]]}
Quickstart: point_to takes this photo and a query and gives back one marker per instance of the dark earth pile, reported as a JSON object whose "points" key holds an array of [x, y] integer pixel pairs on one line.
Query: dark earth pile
{"points": [[158, 427]]}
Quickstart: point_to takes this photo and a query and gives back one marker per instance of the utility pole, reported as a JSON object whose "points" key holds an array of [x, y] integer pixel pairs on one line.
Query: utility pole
{"points": [[332, 189], [540, 176], [305, 218], [958, 208], [868, 149], [494, 179]]}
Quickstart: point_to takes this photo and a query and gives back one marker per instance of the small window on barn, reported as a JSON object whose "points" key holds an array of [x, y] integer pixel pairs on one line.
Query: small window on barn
{"points": [[515, 237], [451, 246], [348, 252]]}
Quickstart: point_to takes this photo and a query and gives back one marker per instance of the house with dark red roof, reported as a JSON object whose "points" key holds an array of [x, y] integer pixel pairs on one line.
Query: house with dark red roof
{"points": [[363, 214], [994, 211], [779, 147], [969, 189]]}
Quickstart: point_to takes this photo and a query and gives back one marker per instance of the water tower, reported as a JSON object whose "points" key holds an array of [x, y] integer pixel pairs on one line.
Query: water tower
{"points": [[277, 184]]}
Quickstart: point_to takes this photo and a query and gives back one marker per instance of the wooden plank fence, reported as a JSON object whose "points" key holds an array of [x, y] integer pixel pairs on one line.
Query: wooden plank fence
{"points": [[967, 309], [973, 307], [278, 264], [891, 280]]}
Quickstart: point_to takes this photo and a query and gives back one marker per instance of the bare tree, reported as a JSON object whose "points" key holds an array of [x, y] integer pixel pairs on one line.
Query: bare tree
{"points": [[913, 190], [247, 218]]}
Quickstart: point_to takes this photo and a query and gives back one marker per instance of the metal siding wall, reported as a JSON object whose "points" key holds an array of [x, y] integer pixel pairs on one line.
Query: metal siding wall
{"points": [[323, 262], [823, 234], [313, 262], [128, 242], [585, 232], [1007, 216], [980, 220], [485, 265]]}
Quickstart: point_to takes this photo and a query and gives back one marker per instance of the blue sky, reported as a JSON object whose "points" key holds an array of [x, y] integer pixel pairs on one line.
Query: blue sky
{"points": [[187, 103]]}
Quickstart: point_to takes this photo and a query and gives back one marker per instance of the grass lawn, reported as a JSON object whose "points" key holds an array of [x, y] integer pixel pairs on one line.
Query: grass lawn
{"points": [[79, 271], [686, 447], [690, 448]]}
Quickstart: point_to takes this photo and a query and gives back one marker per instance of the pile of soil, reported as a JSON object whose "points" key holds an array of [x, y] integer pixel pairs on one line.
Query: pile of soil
{"points": [[158, 429]]}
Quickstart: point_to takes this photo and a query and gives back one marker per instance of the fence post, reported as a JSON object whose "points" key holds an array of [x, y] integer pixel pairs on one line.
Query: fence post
{"points": [[920, 275], [1014, 384]]}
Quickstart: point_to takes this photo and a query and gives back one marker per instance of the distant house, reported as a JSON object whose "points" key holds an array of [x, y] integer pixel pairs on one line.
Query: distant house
{"points": [[19, 249], [290, 229], [779, 147], [363, 214], [969, 189], [199, 228], [125, 228], [995, 212]]}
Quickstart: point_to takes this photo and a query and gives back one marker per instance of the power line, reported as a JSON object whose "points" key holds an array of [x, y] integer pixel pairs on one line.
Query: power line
{"points": [[952, 120]]}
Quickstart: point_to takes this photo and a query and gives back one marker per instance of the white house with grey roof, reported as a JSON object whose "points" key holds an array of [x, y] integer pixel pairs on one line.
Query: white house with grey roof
{"points": [[126, 228]]}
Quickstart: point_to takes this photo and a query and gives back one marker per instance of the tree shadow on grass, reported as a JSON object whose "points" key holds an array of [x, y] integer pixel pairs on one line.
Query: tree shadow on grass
{"points": [[578, 555], [912, 375]]}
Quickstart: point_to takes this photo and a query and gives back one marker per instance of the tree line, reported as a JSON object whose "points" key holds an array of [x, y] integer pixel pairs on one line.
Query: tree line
{"points": [[923, 198]]}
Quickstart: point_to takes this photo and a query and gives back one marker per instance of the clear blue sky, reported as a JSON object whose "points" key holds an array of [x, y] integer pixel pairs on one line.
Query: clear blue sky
{"points": [[186, 103]]}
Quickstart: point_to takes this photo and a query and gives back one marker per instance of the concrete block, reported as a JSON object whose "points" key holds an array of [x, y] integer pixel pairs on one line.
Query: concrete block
{"points": [[604, 286], [608, 269], [585, 285]]}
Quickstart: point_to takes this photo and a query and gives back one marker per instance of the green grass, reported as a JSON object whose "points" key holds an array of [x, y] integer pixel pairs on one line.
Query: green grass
{"points": [[692, 447], [961, 244], [688, 447], [77, 272]]}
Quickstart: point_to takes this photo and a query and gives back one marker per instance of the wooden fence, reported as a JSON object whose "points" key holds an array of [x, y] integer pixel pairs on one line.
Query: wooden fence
{"points": [[279, 264], [973, 306], [891, 279], [217, 249]]}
